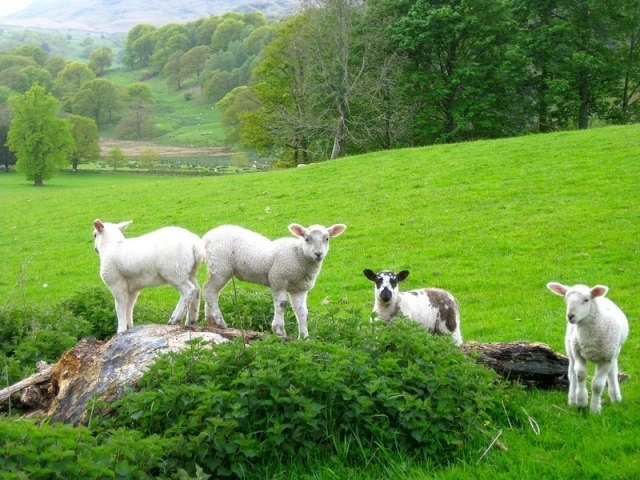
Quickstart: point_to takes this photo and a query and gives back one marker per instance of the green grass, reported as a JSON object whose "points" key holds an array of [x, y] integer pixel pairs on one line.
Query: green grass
{"points": [[492, 221]]}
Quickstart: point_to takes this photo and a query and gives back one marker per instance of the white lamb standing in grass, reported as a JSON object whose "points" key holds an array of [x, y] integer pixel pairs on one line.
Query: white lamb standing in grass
{"points": [[170, 255], [286, 265], [436, 309], [596, 331]]}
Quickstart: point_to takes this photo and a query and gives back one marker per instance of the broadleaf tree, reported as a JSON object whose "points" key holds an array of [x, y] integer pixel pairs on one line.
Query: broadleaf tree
{"points": [[39, 138], [86, 140]]}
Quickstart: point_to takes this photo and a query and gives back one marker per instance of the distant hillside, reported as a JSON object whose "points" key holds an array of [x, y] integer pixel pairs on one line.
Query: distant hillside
{"points": [[113, 16]]}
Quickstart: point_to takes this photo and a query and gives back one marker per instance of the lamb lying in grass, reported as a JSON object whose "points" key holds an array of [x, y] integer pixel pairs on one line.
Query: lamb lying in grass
{"points": [[434, 308], [596, 331], [127, 265], [286, 265]]}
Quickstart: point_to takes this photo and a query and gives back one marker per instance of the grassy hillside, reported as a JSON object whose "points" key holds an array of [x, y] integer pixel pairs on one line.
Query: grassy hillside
{"points": [[189, 123], [492, 221]]}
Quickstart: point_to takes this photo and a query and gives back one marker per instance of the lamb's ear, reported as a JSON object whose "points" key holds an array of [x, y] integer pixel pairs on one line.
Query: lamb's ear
{"points": [[337, 229], [400, 276], [599, 291], [370, 274], [297, 230], [557, 288], [123, 225], [98, 225]]}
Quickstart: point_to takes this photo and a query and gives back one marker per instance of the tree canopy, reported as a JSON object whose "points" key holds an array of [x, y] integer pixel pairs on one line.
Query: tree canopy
{"points": [[347, 76]]}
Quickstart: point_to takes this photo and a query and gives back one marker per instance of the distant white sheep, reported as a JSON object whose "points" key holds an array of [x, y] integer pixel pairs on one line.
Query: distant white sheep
{"points": [[286, 265], [596, 331], [436, 309], [170, 255]]}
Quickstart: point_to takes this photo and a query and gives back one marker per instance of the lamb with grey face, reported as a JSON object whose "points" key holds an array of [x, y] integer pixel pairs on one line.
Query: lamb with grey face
{"points": [[286, 265], [436, 309]]}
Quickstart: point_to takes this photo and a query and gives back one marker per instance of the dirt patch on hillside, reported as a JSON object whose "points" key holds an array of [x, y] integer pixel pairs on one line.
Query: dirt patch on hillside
{"points": [[134, 149]]}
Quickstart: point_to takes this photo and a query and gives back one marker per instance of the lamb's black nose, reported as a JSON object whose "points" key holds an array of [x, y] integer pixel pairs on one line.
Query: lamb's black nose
{"points": [[385, 295]]}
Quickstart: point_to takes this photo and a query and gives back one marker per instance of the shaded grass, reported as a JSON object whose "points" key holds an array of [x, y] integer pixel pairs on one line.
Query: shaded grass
{"points": [[491, 221]]}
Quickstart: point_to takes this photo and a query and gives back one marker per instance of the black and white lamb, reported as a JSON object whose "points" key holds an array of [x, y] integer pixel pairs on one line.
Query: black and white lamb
{"points": [[436, 309]]}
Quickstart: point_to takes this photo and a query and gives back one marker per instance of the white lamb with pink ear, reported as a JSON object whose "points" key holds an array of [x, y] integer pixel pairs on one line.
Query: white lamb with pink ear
{"points": [[596, 331], [127, 265], [436, 309], [286, 265]]}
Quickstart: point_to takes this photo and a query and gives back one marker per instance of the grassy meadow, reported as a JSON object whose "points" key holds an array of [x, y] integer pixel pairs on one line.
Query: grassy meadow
{"points": [[491, 221]]}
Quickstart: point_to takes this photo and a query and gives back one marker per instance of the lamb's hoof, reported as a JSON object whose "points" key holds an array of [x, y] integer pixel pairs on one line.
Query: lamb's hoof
{"points": [[278, 330], [216, 323]]}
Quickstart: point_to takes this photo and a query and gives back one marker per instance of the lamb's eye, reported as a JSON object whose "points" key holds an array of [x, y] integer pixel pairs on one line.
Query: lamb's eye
{"points": [[586, 300]]}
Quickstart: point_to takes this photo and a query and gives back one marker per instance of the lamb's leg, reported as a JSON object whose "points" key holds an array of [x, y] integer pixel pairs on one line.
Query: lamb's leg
{"points": [[279, 306], [131, 302], [121, 312], [612, 381], [194, 306], [299, 304], [571, 371], [580, 369], [573, 382], [597, 385], [193, 310], [187, 291], [124, 301], [211, 292]]}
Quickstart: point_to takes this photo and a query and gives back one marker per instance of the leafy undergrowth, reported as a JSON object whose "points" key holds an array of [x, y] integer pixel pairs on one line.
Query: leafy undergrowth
{"points": [[353, 391]]}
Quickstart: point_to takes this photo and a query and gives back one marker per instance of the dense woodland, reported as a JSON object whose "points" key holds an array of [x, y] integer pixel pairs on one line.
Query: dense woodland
{"points": [[350, 76]]}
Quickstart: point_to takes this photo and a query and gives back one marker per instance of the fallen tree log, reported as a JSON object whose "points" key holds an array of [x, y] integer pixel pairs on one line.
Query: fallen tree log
{"points": [[103, 370], [533, 364], [530, 363]]}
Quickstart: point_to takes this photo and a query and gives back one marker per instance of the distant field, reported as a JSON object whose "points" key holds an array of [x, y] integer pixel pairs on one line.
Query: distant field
{"points": [[492, 221], [183, 118], [189, 133]]}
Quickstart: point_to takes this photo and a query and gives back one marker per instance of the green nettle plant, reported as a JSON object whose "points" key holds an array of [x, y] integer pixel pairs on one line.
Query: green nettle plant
{"points": [[96, 306], [352, 390], [30, 335], [47, 451]]}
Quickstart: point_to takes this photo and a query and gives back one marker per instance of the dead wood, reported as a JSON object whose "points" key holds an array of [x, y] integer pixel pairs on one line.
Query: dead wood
{"points": [[43, 375], [103, 370]]}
